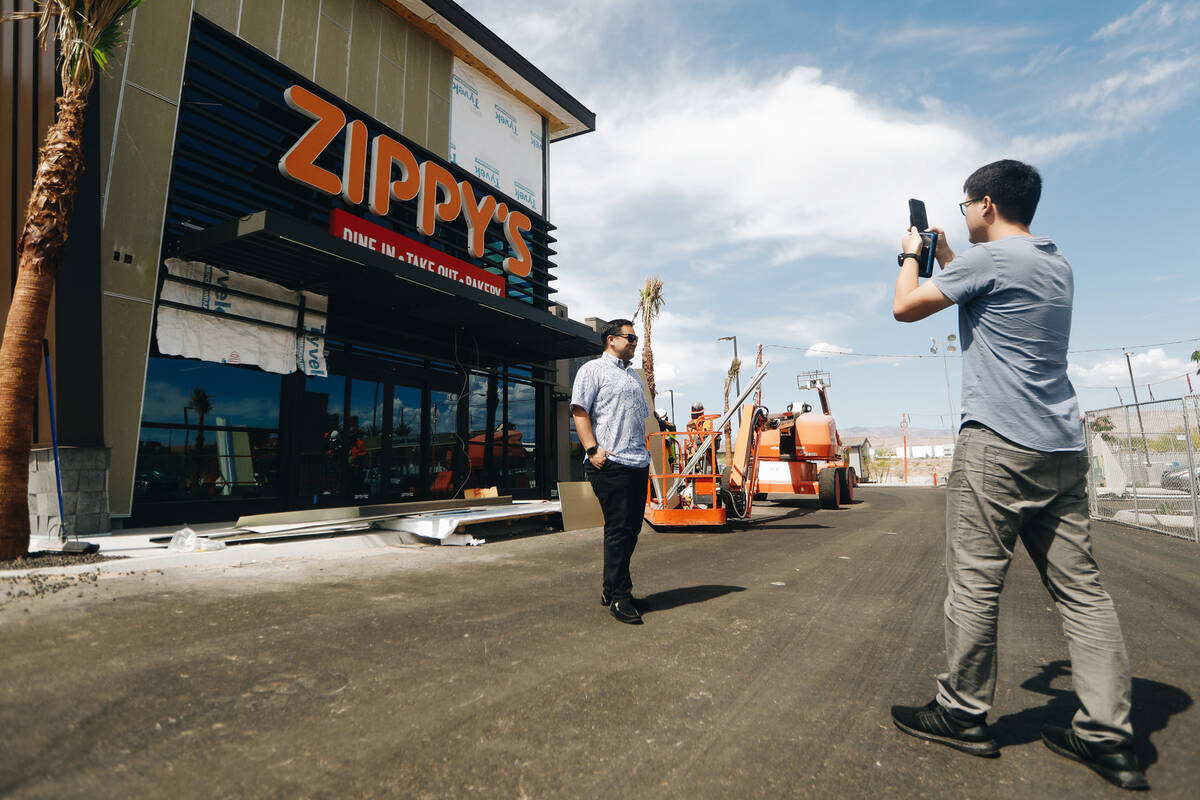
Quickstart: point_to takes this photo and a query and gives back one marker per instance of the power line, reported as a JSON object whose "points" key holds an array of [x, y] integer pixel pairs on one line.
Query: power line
{"points": [[824, 353], [834, 353], [1123, 385], [1133, 347]]}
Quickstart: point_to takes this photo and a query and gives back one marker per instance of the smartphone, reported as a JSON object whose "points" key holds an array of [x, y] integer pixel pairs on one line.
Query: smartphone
{"points": [[917, 219]]}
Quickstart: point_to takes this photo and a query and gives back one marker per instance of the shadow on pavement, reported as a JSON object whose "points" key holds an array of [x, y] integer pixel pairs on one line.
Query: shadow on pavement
{"points": [[673, 598], [1153, 705]]}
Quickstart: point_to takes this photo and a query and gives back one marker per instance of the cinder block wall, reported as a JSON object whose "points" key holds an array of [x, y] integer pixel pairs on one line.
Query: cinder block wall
{"points": [[84, 488], [356, 49]]}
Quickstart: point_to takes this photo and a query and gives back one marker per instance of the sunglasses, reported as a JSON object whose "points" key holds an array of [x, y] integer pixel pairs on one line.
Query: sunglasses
{"points": [[629, 336]]}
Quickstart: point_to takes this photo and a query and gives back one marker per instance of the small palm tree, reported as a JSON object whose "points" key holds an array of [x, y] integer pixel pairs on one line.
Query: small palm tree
{"points": [[200, 401], [88, 32], [735, 367], [1196, 359], [650, 301]]}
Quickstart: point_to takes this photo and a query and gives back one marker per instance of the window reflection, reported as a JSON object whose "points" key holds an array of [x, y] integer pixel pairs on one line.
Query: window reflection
{"points": [[503, 434], [406, 442], [443, 417], [521, 438], [208, 431], [244, 396], [323, 453], [175, 464], [365, 440]]}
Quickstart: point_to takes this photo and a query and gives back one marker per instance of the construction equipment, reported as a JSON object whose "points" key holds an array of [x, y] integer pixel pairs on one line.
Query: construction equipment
{"points": [[796, 452], [800, 452], [699, 492]]}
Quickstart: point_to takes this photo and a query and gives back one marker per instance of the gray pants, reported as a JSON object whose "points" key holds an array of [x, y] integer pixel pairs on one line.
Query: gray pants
{"points": [[1000, 491]]}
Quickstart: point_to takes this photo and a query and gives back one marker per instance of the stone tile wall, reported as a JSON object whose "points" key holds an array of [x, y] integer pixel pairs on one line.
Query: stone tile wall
{"points": [[84, 487]]}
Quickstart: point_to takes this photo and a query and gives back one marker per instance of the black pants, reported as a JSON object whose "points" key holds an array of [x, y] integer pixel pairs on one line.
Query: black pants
{"points": [[621, 491]]}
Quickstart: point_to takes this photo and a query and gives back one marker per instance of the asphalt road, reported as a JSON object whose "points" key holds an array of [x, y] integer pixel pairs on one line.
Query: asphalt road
{"points": [[765, 669]]}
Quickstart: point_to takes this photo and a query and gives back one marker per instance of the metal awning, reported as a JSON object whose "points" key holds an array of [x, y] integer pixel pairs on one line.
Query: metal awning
{"points": [[388, 295]]}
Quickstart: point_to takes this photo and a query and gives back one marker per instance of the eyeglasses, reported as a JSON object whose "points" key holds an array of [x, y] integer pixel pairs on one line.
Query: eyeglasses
{"points": [[963, 205], [629, 336]]}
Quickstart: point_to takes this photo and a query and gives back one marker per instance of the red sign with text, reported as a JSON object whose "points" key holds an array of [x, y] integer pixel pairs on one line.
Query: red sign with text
{"points": [[394, 245]]}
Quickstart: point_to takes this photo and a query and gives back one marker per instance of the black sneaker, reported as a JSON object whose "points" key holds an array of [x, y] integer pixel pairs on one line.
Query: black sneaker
{"points": [[1117, 764], [932, 722], [625, 611]]}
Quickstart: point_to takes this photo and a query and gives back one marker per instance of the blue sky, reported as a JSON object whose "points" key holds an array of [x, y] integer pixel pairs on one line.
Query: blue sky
{"points": [[758, 157]]}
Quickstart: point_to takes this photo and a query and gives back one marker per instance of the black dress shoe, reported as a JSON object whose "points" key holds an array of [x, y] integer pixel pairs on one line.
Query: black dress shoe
{"points": [[606, 598], [1117, 764], [626, 611], [936, 724]]}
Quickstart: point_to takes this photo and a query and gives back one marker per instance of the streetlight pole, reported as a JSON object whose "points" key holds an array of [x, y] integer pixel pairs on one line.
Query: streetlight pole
{"points": [[737, 379], [946, 350], [672, 391]]}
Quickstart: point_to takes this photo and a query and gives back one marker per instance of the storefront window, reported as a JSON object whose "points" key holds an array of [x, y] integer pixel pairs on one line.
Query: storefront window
{"points": [[184, 390], [323, 453], [406, 442], [365, 440], [180, 464], [208, 431], [443, 416], [520, 457], [483, 446]]}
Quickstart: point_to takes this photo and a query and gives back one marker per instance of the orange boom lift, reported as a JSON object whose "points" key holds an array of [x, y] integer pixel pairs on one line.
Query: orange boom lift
{"points": [[800, 451], [796, 452], [687, 487]]}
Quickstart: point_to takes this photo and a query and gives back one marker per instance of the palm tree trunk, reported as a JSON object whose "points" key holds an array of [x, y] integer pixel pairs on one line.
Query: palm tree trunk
{"points": [[648, 361], [39, 252]]}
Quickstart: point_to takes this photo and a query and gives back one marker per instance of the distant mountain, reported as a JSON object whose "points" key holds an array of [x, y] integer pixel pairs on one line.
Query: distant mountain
{"points": [[887, 437]]}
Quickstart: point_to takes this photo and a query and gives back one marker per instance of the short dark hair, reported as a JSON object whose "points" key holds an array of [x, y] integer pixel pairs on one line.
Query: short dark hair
{"points": [[1014, 187], [613, 328]]}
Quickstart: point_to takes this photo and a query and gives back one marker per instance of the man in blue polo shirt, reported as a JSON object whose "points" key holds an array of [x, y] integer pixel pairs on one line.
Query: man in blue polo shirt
{"points": [[1019, 472], [609, 409]]}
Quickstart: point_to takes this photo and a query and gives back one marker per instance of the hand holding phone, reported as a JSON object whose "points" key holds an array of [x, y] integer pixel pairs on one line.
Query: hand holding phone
{"points": [[917, 219]]}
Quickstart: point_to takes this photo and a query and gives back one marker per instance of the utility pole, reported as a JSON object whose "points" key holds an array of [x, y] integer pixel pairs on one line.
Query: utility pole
{"points": [[1137, 405], [946, 350], [904, 431]]}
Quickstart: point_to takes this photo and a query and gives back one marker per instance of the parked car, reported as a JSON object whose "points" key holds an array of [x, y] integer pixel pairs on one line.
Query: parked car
{"points": [[1167, 469], [1181, 480]]}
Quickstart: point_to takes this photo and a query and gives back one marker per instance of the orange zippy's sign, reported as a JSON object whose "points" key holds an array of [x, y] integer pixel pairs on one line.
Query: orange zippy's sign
{"points": [[394, 174]]}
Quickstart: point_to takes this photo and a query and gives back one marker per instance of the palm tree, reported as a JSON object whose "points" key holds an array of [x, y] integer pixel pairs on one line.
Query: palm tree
{"points": [[650, 301], [88, 32], [1196, 358], [735, 367], [199, 401]]}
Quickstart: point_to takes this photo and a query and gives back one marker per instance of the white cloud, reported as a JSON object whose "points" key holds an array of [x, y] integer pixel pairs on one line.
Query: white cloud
{"points": [[1152, 366], [825, 349], [1150, 87], [1125, 23], [961, 39], [1150, 15]]}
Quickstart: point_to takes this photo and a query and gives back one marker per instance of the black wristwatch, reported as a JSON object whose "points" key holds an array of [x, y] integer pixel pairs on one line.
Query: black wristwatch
{"points": [[900, 258], [591, 451]]}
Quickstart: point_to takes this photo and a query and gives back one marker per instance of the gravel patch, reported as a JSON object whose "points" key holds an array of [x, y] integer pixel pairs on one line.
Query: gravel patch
{"points": [[40, 559]]}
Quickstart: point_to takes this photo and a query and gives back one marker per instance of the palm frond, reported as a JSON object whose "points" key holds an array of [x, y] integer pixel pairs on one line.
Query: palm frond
{"points": [[88, 31]]}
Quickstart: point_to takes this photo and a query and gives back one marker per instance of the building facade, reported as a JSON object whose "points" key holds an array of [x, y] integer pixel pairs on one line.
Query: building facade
{"points": [[313, 265]]}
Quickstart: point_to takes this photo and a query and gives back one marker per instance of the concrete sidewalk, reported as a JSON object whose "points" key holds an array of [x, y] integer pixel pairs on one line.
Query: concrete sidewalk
{"points": [[132, 549]]}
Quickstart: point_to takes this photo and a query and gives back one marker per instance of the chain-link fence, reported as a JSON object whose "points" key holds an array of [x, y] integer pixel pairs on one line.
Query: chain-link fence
{"points": [[1146, 465]]}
